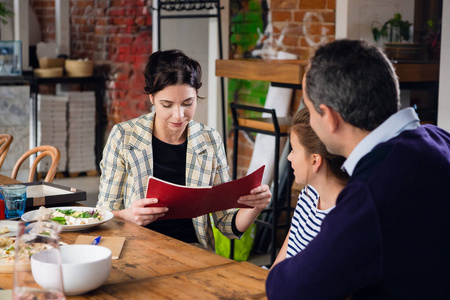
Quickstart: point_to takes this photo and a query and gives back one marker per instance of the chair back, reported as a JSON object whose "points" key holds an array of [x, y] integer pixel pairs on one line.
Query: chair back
{"points": [[5, 142], [43, 151]]}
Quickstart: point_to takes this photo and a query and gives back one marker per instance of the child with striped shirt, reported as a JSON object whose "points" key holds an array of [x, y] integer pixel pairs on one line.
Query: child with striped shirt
{"points": [[323, 178]]}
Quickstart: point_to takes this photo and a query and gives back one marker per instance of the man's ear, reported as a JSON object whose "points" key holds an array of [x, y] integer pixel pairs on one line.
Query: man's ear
{"points": [[150, 97], [317, 161], [331, 117]]}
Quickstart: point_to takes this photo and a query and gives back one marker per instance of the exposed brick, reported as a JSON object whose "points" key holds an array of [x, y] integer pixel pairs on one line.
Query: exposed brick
{"points": [[283, 4], [43, 3], [126, 39], [112, 29], [128, 29], [303, 53], [329, 17], [116, 12], [100, 30], [312, 4], [291, 40], [79, 21], [130, 12], [115, 3], [117, 20], [140, 20], [299, 16], [84, 3], [278, 16], [331, 4], [102, 21], [142, 11], [129, 21]]}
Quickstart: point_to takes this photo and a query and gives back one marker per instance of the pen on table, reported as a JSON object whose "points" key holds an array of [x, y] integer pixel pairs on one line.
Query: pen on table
{"points": [[96, 240]]}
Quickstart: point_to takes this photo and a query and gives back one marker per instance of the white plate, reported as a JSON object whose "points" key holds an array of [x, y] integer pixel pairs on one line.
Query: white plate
{"points": [[12, 226], [29, 216]]}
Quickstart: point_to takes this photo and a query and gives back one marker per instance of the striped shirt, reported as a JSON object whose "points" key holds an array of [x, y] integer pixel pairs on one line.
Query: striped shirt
{"points": [[306, 221]]}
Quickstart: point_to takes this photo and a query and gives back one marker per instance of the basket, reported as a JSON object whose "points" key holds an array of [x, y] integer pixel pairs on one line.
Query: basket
{"points": [[48, 72], [46, 62], [79, 68]]}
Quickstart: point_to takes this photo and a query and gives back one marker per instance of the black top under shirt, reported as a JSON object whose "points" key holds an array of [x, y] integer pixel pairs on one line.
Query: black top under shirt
{"points": [[169, 164]]}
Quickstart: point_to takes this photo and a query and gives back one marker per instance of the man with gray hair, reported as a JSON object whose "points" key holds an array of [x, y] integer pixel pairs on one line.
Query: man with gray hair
{"points": [[388, 236]]}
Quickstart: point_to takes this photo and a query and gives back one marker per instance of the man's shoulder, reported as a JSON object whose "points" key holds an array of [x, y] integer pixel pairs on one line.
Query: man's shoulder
{"points": [[426, 144]]}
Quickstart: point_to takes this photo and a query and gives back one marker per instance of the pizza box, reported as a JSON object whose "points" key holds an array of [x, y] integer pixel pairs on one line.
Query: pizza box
{"points": [[42, 193]]}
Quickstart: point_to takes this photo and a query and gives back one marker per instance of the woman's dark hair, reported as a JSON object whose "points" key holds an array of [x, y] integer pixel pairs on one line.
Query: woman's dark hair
{"points": [[171, 67], [313, 145]]}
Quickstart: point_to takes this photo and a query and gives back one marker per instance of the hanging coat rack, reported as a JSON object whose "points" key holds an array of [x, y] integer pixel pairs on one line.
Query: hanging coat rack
{"points": [[195, 5]]}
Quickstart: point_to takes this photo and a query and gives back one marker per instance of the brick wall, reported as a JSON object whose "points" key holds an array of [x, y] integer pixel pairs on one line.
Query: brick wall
{"points": [[305, 24], [45, 12], [116, 34]]}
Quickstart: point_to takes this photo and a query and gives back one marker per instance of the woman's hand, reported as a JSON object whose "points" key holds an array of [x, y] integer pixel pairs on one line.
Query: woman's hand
{"points": [[259, 197], [141, 214]]}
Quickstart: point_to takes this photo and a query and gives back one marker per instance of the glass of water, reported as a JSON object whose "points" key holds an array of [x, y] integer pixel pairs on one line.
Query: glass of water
{"points": [[32, 281], [15, 198]]}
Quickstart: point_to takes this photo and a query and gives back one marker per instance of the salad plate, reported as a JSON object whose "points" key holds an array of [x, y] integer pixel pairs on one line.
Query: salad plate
{"points": [[8, 228], [104, 215]]}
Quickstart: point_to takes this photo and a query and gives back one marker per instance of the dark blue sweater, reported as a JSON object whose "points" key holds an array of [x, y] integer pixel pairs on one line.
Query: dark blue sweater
{"points": [[389, 235]]}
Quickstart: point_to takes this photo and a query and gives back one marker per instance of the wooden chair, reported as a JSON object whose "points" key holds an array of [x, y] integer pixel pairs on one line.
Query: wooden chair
{"points": [[45, 150], [5, 142]]}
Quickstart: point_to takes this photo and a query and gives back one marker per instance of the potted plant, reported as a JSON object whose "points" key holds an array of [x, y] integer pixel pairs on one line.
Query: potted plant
{"points": [[5, 12], [395, 30], [396, 37]]}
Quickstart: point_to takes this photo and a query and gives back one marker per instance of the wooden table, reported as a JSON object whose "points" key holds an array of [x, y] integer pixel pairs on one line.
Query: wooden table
{"points": [[7, 180], [155, 266]]}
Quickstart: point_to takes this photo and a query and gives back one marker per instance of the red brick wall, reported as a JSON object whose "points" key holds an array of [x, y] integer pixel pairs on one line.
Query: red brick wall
{"points": [[305, 24], [45, 12], [116, 34]]}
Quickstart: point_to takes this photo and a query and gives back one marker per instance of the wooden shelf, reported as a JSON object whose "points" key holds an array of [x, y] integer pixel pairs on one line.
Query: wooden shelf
{"points": [[417, 71], [265, 124], [280, 71], [292, 71]]}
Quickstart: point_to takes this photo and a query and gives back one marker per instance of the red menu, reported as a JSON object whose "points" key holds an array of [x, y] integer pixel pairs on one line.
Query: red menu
{"points": [[191, 202]]}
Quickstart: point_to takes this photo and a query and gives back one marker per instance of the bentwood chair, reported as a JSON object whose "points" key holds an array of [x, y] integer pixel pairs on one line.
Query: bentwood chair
{"points": [[41, 152], [5, 142]]}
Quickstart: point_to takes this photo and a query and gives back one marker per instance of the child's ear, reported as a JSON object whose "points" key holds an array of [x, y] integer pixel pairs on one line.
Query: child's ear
{"points": [[150, 97], [317, 161]]}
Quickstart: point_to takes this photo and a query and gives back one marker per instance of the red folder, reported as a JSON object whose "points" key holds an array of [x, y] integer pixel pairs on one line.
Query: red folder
{"points": [[191, 202]]}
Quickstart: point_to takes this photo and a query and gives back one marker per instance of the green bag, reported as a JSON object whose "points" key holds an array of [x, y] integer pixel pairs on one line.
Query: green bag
{"points": [[242, 247]]}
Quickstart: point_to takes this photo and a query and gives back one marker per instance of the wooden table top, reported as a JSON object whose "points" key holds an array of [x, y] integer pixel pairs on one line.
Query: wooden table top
{"points": [[292, 71], [7, 180], [155, 266]]}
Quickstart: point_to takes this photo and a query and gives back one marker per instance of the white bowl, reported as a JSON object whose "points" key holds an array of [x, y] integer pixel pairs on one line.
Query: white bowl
{"points": [[84, 268]]}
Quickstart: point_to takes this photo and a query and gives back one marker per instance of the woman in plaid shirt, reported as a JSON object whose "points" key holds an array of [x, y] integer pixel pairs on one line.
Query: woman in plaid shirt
{"points": [[168, 144]]}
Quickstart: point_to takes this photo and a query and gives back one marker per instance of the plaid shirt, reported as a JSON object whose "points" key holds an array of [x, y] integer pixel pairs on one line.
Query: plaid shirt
{"points": [[128, 162]]}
